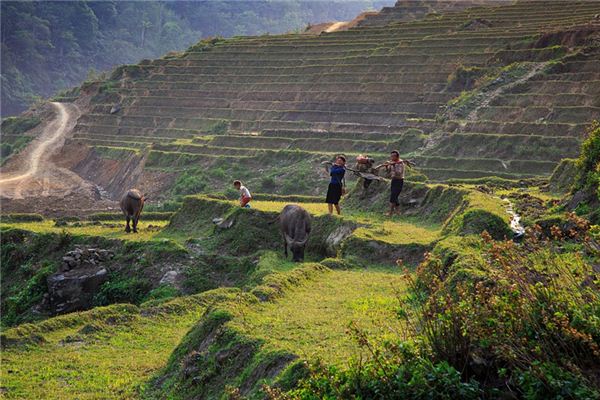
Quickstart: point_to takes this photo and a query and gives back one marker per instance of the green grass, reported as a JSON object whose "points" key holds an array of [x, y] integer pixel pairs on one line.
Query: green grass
{"points": [[111, 352], [113, 230], [398, 230], [311, 320], [120, 352], [277, 206]]}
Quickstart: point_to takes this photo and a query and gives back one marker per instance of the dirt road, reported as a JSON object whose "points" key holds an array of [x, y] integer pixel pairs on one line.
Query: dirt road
{"points": [[33, 174]]}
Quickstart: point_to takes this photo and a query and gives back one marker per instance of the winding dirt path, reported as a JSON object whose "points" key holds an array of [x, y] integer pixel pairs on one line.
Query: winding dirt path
{"points": [[47, 141], [33, 174]]}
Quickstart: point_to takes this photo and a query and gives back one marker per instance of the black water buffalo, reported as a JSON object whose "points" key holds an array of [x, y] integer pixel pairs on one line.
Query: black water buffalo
{"points": [[132, 204], [295, 228]]}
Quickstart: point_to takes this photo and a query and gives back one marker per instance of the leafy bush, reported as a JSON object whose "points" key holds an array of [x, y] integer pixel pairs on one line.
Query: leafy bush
{"points": [[218, 128], [190, 182], [395, 371], [119, 289], [18, 125], [503, 307], [16, 306], [588, 163], [485, 318]]}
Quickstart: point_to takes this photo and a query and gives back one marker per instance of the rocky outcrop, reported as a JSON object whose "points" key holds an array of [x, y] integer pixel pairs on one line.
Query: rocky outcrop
{"points": [[79, 278]]}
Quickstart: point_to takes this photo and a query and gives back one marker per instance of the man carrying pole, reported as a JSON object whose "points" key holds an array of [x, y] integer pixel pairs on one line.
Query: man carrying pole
{"points": [[395, 167]]}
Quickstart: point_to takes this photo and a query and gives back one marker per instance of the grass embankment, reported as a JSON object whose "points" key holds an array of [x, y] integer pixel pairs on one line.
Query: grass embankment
{"points": [[294, 316], [148, 229], [105, 353], [109, 352]]}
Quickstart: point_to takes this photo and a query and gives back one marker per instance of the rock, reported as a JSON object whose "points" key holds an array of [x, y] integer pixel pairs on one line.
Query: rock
{"points": [[169, 278], [78, 280], [74, 290], [335, 238], [68, 262], [115, 109], [223, 223]]}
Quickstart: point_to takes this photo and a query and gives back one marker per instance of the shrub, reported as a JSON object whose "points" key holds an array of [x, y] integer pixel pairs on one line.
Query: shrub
{"points": [[464, 78], [190, 182], [218, 128], [588, 163], [395, 371], [16, 307], [119, 289], [5, 150], [18, 125], [502, 308]]}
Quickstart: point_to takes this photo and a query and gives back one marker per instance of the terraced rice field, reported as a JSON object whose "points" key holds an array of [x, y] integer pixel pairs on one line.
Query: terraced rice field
{"points": [[364, 90]]}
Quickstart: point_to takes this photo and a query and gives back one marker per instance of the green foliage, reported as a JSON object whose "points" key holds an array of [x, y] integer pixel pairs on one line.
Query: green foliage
{"points": [[397, 371], [546, 380], [475, 221], [588, 163], [15, 308], [161, 293], [190, 182], [7, 149], [50, 46], [26, 260], [508, 306], [119, 289], [19, 125]]}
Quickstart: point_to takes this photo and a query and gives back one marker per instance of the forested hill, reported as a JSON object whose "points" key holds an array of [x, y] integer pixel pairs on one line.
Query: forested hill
{"points": [[48, 46]]}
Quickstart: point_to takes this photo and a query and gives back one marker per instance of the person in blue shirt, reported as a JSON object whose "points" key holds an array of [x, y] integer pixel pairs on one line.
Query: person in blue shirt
{"points": [[336, 185]]}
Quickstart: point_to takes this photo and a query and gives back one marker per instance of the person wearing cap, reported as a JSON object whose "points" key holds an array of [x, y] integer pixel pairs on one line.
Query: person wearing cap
{"points": [[336, 185]]}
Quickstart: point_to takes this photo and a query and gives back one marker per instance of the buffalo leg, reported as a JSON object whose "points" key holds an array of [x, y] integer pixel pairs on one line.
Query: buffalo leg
{"points": [[135, 222], [127, 228], [285, 248]]}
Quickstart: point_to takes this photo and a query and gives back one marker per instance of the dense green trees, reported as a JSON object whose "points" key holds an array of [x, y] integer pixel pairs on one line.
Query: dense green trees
{"points": [[51, 45]]}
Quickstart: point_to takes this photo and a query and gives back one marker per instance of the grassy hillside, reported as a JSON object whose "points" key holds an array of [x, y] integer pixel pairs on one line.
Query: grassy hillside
{"points": [[330, 312], [484, 286]]}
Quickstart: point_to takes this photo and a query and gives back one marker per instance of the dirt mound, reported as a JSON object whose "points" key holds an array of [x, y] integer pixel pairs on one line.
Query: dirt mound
{"points": [[338, 26], [569, 38]]}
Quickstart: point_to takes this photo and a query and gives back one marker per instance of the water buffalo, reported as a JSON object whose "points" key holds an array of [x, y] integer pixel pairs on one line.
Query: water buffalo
{"points": [[295, 227], [131, 205]]}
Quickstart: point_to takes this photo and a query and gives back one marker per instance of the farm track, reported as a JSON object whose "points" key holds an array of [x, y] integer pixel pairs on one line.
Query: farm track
{"points": [[32, 181]]}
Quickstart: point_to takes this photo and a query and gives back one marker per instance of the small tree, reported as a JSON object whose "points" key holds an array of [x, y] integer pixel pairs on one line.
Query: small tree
{"points": [[588, 163]]}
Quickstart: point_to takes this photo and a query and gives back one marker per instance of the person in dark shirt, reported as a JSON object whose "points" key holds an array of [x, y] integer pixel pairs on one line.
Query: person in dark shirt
{"points": [[336, 185]]}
